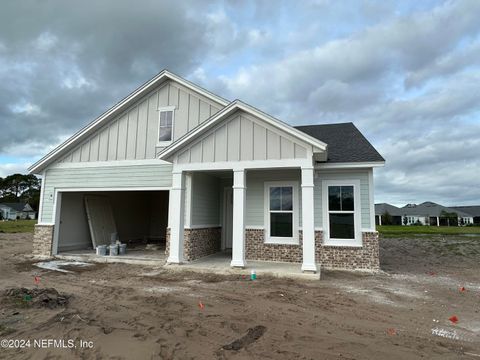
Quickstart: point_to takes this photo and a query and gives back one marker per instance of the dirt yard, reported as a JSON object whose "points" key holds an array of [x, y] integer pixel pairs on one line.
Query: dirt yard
{"points": [[134, 312]]}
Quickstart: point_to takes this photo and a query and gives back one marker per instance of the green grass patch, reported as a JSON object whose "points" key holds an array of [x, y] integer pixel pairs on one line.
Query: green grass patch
{"points": [[18, 226], [394, 230]]}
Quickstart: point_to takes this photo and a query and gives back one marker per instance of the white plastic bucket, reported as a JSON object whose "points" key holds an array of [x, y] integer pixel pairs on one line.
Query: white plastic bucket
{"points": [[122, 249], [102, 250], [114, 250]]}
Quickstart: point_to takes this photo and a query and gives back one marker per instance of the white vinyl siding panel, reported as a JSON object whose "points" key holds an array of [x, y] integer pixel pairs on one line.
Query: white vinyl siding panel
{"points": [[85, 155], [242, 137], [205, 199], [246, 136], [209, 149], [94, 142], [152, 126], [182, 113], [287, 149], [259, 142], [112, 143], [255, 205], [193, 112], [133, 133], [142, 130], [102, 177], [273, 146], [361, 175], [221, 144]]}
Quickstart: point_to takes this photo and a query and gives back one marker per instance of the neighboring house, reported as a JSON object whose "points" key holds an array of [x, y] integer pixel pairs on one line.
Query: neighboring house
{"points": [[427, 213], [14, 211], [207, 174], [383, 209], [473, 211]]}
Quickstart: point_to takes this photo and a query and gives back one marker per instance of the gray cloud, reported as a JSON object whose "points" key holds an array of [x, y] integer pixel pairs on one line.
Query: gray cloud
{"points": [[406, 73], [56, 57]]}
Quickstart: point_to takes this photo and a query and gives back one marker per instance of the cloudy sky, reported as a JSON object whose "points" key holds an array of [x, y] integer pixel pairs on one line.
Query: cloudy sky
{"points": [[406, 73]]}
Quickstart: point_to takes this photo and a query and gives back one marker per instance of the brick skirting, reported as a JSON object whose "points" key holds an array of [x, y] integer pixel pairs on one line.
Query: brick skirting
{"points": [[198, 242], [42, 240], [330, 257], [351, 258], [256, 249]]}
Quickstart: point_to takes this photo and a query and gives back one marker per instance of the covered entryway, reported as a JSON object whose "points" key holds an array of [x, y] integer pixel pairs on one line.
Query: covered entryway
{"points": [[244, 142], [207, 214], [140, 220]]}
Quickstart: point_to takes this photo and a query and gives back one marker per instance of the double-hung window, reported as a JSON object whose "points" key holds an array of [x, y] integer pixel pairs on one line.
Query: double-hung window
{"points": [[165, 125], [341, 203], [281, 212]]}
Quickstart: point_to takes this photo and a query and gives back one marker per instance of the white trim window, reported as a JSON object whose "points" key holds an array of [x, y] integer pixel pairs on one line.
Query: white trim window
{"points": [[341, 212], [281, 212], [166, 119]]}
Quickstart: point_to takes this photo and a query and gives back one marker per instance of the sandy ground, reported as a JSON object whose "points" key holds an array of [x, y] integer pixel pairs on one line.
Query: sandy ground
{"points": [[136, 312]]}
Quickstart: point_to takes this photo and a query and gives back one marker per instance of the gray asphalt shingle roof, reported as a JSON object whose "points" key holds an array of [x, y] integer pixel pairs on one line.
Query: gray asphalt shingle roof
{"points": [[345, 142], [471, 210], [426, 208], [429, 208], [18, 206], [380, 209]]}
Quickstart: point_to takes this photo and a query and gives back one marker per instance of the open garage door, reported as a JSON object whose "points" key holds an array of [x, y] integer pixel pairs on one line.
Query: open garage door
{"points": [[140, 218]]}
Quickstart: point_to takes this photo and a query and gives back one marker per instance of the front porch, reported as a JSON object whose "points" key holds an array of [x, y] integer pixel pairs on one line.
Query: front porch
{"points": [[234, 209]]}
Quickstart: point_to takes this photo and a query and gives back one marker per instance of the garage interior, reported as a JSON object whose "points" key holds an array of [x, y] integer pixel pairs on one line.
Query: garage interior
{"points": [[141, 219]]}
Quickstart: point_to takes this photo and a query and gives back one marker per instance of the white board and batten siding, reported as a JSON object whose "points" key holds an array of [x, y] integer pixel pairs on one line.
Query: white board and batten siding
{"points": [[102, 177], [242, 137], [133, 134], [205, 200]]}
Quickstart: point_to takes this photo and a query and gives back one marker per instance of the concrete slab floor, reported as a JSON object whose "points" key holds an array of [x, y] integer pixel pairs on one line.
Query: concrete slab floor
{"points": [[219, 263], [138, 257]]}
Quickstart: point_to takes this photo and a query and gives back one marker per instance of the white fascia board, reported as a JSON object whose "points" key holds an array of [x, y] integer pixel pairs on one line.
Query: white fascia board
{"points": [[99, 121], [283, 126], [353, 165], [196, 88], [232, 107]]}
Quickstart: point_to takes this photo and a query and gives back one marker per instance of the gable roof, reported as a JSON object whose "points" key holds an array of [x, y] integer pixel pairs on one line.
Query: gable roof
{"points": [[79, 136], [230, 109], [18, 206], [429, 208], [345, 143], [380, 209], [471, 210]]}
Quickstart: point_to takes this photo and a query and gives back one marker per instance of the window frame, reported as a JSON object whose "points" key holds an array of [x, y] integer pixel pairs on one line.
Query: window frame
{"points": [[160, 110], [293, 240], [357, 220]]}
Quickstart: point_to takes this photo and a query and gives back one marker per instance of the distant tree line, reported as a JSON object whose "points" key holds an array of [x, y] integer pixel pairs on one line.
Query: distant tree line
{"points": [[20, 188]]}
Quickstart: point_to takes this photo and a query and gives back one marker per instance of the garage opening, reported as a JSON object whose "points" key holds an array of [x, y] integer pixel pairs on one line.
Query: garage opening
{"points": [[141, 219]]}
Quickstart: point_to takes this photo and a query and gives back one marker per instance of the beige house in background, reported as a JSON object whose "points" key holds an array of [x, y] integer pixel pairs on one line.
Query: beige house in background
{"points": [[204, 174]]}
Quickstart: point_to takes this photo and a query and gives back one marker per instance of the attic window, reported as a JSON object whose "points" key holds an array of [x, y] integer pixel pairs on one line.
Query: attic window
{"points": [[165, 125]]}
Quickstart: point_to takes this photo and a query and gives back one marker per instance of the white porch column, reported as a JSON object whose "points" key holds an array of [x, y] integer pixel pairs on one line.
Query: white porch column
{"points": [[238, 227], [308, 223], [176, 218], [438, 221]]}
